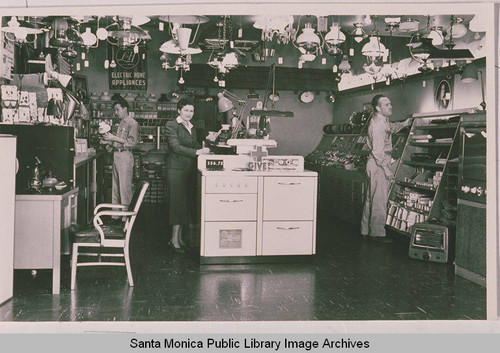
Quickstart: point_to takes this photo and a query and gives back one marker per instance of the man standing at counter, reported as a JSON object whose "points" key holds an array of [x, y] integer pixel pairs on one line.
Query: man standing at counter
{"points": [[121, 145], [380, 168]]}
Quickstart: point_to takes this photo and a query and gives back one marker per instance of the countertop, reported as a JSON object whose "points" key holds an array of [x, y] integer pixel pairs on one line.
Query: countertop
{"points": [[47, 195], [83, 158], [305, 173]]}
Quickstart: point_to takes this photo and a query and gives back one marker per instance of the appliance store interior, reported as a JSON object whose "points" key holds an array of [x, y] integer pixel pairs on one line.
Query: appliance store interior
{"points": [[285, 125]]}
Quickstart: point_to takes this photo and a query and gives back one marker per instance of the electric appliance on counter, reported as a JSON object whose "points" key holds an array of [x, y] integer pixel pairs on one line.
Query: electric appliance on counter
{"points": [[54, 146], [470, 254], [7, 202]]}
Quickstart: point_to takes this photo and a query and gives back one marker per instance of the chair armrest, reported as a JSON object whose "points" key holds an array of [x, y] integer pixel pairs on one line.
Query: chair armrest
{"points": [[114, 213], [98, 222], [109, 205]]}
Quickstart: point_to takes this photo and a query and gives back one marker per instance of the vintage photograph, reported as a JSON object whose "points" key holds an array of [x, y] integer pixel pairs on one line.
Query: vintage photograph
{"points": [[247, 163]]}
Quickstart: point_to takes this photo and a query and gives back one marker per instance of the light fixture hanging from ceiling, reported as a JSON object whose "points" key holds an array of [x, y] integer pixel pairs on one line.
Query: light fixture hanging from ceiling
{"points": [[19, 30], [229, 57], [123, 33], [280, 27], [307, 42], [359, 34], [333, 39], [457, 28]]}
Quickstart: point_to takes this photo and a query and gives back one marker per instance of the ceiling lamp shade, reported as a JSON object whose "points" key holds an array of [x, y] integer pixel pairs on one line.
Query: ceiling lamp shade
{"points": [[335, 36], [89, 39], [409, 25], [374, 48], [281, 26], [183, 35], [20, 29], [457, 28], [358, 34], [437, 36], [171, 47], [124, 33], [470, 73], [184, 19], [308, 39]]}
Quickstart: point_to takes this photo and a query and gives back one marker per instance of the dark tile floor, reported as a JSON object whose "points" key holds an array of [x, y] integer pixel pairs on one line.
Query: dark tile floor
{"points": [[348, 279]]}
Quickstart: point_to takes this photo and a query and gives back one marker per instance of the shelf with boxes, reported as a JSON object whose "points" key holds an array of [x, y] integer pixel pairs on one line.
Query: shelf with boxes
{"points": [[425, 183], [150, 152]]}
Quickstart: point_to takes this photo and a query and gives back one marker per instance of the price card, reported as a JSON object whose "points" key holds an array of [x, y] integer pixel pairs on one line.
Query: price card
{"points": [[214, 164]]}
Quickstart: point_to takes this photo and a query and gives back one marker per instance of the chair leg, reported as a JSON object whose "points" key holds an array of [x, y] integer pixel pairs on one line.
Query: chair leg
{"points": [[127, 265], [74, 258]]}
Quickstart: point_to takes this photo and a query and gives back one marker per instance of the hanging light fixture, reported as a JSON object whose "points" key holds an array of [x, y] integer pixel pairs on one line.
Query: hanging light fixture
{"points": [[333, 39], [123, 33], [335, 36], [457, 28], [280, 27], [89, 39], [358, 33], [18, 30], [344, 66], [374, 49], [308, 39]]}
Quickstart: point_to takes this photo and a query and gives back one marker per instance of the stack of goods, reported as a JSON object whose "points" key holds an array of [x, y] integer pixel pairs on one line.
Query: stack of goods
{"points": [[448, 214]]}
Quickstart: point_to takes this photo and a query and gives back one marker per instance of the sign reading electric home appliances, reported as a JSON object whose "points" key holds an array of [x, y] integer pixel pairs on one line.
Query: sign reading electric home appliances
{"points": [[127, 68]]}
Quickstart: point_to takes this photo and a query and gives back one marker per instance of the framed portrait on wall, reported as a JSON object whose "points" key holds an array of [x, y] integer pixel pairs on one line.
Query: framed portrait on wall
{"points": [[80, 87], [443, 93]]}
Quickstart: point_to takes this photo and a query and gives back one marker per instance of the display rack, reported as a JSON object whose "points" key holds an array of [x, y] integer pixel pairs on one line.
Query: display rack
{"points": [[150, 152], [340, 161], [425, 183]]}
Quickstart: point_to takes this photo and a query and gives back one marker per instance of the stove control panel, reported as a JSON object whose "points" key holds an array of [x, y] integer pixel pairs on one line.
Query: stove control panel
{"points": [[231, 184]]}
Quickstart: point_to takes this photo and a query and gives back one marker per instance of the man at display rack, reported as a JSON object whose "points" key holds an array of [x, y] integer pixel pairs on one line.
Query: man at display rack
{"points": [[380, 168], [121, 145]]}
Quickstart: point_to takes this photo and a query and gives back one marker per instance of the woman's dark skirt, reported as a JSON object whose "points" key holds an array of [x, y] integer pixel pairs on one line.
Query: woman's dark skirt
{"points": [[181, 188]]}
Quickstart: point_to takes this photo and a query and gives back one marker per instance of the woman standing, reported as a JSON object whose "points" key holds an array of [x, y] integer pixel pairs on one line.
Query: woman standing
{"points": [[181, 171]]}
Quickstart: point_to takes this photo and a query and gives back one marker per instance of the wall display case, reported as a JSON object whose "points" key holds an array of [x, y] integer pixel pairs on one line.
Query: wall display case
{"points": [[425, 183]]}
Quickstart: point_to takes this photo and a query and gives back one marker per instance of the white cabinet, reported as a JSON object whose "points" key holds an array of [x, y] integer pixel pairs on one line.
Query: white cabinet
{"points": [[7, 202], [289, 198], [257, 214], [288, 238], [42, 224], [231, 207]]}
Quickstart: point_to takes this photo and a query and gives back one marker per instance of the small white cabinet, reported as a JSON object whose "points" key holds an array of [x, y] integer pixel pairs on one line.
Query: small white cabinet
{"points": [[255, 214], [42, 224], [289, 198]]}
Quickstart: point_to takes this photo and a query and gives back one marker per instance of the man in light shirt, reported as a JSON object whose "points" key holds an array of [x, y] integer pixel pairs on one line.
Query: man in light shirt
{"points": [[121, 145], [380, 168]]}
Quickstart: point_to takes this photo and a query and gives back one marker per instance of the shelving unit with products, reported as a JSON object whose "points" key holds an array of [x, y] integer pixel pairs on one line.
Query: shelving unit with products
{"points": [[151, 151], [340, 161], [425, 183]]}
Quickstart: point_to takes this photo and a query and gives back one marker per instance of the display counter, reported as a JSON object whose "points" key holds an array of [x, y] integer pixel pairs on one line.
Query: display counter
{"points": [[87, 167], [257, 215]]}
